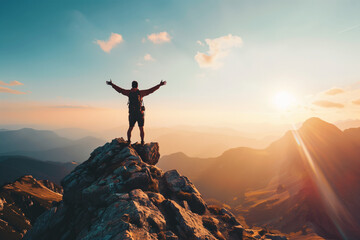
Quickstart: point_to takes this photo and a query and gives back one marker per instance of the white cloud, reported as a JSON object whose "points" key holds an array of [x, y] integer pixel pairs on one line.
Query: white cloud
{"points": [[148, 57], [13, 83], [12, 91], [218, 49], [334, 91], [200, 43], [158, 38], [114, 40], [328, 104]]}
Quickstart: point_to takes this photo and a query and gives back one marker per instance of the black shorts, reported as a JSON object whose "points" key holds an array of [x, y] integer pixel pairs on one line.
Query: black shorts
{"points": [[136, 117]]}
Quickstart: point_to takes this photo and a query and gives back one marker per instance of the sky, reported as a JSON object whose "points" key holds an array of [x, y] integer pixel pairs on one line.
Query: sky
{"points": [[234, 64]]}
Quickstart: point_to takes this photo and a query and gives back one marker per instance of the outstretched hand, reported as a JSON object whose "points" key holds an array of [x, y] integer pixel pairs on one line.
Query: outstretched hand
{"points": [[109, 82], [162, 83]]}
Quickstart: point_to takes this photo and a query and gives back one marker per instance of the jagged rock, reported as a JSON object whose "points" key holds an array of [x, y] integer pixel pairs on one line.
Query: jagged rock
{"points": [[169, 235], [2, 201], [229, 217], [184, 189], [149, 152], [116, 195], [52, 186], [189, 224], [275, 237], [210, 223], [236, 232]]}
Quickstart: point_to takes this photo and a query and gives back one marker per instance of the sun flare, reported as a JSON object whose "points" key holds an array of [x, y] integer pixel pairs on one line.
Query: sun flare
{"points": [[284, 100]]}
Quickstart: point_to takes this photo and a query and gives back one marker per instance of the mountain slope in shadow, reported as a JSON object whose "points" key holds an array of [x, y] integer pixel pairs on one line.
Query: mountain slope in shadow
{"points": [[13, 167]]}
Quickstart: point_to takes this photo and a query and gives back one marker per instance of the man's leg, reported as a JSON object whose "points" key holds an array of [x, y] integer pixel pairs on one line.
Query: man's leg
{"points": [[141, 121], [142, 134], [129, 133], [132, 121]]}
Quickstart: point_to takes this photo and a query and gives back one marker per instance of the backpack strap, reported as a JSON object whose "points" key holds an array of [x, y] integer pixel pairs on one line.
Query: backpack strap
{"points": [[142, 100]]}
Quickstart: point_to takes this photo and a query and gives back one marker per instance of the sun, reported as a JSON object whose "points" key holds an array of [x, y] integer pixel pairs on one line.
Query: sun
{"points": [[283, 100]]}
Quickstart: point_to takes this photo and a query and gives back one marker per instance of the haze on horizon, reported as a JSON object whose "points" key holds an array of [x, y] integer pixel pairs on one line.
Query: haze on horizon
{"points": [[240, 65]]}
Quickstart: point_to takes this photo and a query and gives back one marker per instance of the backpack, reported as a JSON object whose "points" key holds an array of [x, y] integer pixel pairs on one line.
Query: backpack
{"points": [[135, 102]]}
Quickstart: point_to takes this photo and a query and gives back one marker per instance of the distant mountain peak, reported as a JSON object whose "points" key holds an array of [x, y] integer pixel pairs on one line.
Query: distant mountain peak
{"points": [[318, 124], [314, 121]]}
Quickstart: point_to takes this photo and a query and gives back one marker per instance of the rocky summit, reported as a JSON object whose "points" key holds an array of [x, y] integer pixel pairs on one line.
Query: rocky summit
{"points": [[119, 193]]}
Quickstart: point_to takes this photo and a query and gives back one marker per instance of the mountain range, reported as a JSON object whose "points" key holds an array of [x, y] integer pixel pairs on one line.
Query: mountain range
{"points": [[13, 167], [46, 145], [305, 183]]}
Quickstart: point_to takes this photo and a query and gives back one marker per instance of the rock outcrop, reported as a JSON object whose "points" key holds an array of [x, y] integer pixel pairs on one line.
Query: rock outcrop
{"points": [[119, 193], [22, 202]]}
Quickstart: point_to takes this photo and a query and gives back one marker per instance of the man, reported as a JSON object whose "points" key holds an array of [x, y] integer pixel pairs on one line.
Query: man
{"points": [[136, 107]]}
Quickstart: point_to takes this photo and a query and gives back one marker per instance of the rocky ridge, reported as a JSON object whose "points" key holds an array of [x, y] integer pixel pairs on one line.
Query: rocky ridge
{"points": [[22, 202], [119, 193]]}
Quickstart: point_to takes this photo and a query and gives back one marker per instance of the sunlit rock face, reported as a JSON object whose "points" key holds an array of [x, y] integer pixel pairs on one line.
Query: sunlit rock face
{"points": [[22, 202], [118, 193]]}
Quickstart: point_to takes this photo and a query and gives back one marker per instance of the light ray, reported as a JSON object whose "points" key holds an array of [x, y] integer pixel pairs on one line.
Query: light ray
{"points": [[337, 212]]}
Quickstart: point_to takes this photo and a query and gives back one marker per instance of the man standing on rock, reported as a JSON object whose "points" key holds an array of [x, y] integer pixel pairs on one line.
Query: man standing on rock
{"points": [[136, 106]]}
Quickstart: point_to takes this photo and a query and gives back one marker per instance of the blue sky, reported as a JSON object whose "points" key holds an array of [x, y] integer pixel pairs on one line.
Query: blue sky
{"points": [[302, 47]]}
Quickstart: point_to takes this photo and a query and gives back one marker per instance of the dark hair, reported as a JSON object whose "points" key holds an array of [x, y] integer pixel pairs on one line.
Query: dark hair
{"points": [[134, 84]]}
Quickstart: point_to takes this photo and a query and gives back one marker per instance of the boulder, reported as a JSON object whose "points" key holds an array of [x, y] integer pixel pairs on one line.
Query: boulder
{"points": [[189, 225], [149, 152], [183, 189]]}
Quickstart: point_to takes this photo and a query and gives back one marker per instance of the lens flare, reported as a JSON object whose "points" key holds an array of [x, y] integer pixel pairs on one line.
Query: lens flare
{"points": [[335, 209]]}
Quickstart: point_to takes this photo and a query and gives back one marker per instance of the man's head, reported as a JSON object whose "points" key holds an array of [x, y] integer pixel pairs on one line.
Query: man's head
{"points": [[134, 84]]}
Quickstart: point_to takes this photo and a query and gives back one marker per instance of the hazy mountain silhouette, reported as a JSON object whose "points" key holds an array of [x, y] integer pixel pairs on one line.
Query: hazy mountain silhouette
{"points": [[13, 167], [46, 145], [76, 133], [77, 151], [196, 141], [200, 144], [286, 185], [28, 139]]}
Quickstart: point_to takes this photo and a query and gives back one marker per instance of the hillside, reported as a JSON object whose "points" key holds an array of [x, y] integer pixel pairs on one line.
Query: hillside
{"points": [[13, 167], [22, 202]]}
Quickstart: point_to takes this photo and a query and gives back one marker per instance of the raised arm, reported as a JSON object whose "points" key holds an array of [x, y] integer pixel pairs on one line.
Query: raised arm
{"points": [[146, 92], [118, 89]]}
